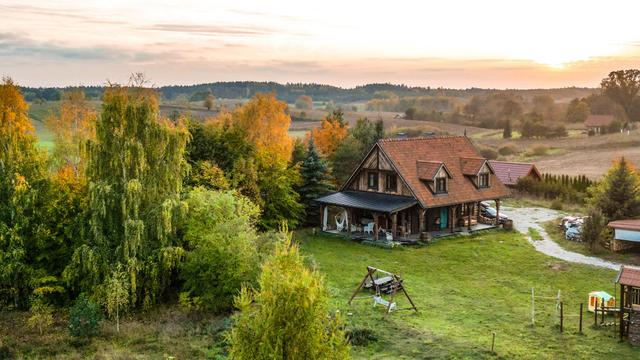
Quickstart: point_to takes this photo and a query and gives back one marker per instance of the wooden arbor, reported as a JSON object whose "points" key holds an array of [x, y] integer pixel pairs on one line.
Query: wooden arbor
{"points": [[388, 284]]}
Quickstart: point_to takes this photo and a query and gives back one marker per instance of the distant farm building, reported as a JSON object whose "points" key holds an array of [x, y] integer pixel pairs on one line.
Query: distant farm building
{"points": [[598, 123], [626, 234], [510, 172]]}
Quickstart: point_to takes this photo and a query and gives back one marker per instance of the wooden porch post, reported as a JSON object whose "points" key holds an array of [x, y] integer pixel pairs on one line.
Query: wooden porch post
{"points": [[321, 217], [469, 209], [621, 311], [394, 224], [451, 218], [497, 212], [349, 219], [375, 226], [421, 217]]}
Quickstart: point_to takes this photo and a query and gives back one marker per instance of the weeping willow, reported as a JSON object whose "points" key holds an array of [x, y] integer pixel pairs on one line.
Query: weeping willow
{"points": [[135, 167]]}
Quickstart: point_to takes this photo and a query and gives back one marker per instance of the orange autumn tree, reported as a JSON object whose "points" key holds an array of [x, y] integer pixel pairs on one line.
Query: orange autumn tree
{"points": [[330, 133], [74, 124], [265, 121]]}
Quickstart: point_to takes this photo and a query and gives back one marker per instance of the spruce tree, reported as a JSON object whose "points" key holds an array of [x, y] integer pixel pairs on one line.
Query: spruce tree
{"points": [[618, 194], [315, 181], [135, 168]]}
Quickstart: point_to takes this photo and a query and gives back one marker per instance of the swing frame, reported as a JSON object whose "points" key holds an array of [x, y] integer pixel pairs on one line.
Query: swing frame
{"points": [[396, 284]]}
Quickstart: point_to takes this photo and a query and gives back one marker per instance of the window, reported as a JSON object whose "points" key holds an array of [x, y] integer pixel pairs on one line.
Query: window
{"points": [[483, 180], [391, 182], [372, 180], [441, 185]]}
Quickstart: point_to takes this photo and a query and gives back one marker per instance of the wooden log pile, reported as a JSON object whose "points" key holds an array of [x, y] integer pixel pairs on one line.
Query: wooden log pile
{"points": [[634, 328]]}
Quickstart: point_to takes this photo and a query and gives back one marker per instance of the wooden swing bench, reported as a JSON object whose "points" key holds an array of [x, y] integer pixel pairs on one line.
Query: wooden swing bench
{"points": [[388, 284]]}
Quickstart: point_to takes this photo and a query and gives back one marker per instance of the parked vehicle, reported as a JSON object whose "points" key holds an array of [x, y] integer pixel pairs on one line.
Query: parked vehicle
{"points": [[574, 233], [490, 213]]}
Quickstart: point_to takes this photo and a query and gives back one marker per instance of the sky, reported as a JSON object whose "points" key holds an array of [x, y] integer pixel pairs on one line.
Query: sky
{"points": [[453, 43]]}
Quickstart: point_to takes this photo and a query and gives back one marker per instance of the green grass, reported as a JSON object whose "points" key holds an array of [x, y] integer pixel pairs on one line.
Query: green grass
{"points": [[298, 133], [466, 288], [535, 234]]}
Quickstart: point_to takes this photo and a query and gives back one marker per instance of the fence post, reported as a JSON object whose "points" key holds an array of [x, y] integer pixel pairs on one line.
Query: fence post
{"points": [[533, 308], [580, 328], [602, 316], [595, 314], [561, 316], [493, 341]]}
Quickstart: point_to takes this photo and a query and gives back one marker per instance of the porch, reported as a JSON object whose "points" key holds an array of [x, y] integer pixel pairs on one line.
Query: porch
{"points": [[377, 216]]}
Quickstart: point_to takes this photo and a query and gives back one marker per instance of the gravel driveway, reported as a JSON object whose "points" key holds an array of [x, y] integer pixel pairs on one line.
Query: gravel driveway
{"points": [[532, 217]]}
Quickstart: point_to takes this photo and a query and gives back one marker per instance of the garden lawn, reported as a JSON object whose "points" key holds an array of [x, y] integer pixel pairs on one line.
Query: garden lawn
{"points": [[465, 288]]}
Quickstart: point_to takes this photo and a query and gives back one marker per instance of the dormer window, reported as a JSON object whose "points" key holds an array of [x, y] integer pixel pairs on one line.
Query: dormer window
{"points": [[372, 180], [391, 182], [483, 180], [441, 184]]}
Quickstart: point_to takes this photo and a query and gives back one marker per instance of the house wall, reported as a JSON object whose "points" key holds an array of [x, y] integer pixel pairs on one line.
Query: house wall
{"points": [[379, 163], [627, 235]]}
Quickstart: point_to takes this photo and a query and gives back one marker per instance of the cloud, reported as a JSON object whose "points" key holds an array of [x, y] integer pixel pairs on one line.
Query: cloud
{"points": [[61, 13], [211, 30], [18, 46]]}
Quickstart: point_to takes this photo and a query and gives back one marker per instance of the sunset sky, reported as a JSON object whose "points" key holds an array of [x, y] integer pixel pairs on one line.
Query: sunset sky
{"points": [[491, 44]]}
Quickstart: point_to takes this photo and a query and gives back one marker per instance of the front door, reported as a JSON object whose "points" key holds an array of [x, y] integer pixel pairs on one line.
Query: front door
{"points": [[444, 217]]}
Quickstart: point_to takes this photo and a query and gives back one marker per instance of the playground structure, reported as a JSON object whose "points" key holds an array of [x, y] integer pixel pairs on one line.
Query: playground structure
{"points": [[597, 298], [388, 283]]}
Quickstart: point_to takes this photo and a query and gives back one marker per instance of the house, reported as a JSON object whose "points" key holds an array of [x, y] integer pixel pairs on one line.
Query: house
{"points": [[510, 172], [626, 234], [629, 280], [406, 187], [598, 123]]}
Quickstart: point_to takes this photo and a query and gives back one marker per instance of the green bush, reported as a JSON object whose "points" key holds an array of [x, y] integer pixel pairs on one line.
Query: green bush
{"points": [[220, 231], [84, 319], [508, 150], [489, 153], [539, 150]]}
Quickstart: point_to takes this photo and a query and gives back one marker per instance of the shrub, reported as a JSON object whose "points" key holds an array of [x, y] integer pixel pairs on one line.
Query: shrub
{"points": [[593, 228], [84, 319], [221, 234], [556, 204], [489, 153], [539, 150], [288, 316], [361, 336], [508, 150]]}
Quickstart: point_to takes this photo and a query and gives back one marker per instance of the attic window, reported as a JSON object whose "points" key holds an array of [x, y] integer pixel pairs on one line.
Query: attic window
{"points": [[483, 180], [391, 182], [372, 180], [441, 184]]}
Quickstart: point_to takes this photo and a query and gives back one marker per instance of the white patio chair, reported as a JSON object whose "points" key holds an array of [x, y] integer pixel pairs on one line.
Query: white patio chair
{"points": [[368, 229]]}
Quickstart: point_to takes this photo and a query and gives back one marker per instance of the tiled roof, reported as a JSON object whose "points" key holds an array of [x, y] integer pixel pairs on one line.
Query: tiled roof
{"points": [[471, 166], [510, 172], [628, 224], [368, 200], [629, 276], [598, 120], [406, 153], [428, 169]]}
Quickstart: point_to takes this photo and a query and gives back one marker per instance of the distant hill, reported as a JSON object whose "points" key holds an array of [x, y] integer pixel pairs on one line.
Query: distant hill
{"points": [[318, 92]]}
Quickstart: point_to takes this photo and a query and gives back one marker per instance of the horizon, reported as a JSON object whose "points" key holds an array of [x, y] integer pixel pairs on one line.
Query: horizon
{"points": [[488, 45]]}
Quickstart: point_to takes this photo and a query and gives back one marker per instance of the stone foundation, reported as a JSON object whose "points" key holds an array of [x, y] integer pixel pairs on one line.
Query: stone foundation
{"points": [[621, 245], [634, 328]]}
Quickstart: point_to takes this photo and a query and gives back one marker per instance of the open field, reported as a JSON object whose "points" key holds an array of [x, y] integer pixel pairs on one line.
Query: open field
{"points": [[466, 288]]}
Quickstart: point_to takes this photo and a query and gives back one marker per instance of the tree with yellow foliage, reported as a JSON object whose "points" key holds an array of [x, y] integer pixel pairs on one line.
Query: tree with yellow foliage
{"points": [[265, 121], [330, 134], [71, 127]]}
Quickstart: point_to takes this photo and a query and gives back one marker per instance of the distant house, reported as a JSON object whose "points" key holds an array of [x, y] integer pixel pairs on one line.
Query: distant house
{"points": [[510, 172], [626, 234], [597, 123], [406, 187]]}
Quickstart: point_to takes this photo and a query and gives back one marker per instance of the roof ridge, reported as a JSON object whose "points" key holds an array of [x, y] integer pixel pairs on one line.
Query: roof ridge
{"points": [[512, 162], [422, 138]]}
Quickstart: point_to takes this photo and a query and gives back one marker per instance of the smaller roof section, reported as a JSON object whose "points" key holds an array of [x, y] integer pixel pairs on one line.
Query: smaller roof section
{"points": [[601, 295], [510, 172], [629, 276], [471, 166], [598, 120], [427, 170], [372, 201], [628, 224]]}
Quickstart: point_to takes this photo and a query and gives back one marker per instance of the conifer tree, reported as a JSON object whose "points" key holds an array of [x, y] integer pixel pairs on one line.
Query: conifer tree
{"points": [[135, 167], [288, 316], [618, 194], [315, 181]]}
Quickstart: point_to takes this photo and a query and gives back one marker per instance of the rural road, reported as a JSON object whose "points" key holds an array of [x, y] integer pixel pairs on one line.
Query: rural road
{"points": [[532, 217]]}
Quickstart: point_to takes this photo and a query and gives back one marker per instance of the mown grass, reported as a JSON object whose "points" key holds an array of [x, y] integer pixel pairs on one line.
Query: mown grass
{"points": [[466, 288]]}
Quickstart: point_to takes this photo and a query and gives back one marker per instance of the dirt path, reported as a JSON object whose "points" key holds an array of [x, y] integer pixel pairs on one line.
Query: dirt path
{"points": [[525, 218]]}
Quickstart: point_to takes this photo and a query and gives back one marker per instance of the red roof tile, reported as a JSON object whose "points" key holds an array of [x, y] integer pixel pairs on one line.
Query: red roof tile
{"points": [[629, 276], [628, 224], [471, 166], [598, 120], [406, 153], [510, 172]]}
